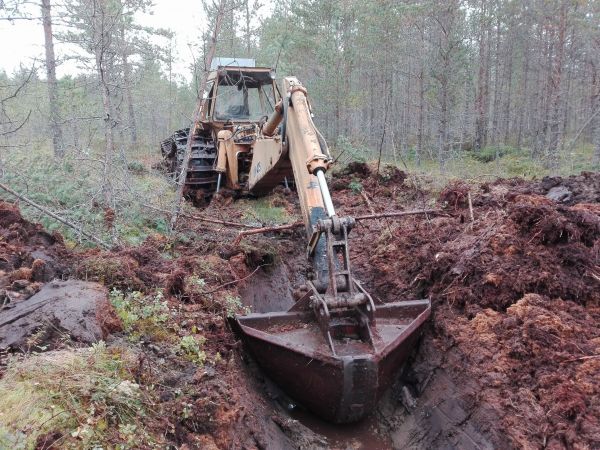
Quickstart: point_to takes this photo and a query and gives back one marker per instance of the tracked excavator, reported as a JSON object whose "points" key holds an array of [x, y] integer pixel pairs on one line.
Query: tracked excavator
{"points": [[336, 349]]}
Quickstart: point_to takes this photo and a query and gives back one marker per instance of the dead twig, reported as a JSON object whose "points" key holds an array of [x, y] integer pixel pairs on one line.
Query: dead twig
{"points": [[370, 206], [582, 358], [367, 201], [288, 226], [203, 219], [62, 220], [232, 282], [470, 208]]}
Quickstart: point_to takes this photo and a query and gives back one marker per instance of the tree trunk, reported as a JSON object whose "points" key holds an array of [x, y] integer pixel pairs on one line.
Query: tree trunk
{"points": [[523, 95], [556, 93], [53, 107], [497, 86], [421, 114], [248, 33], [109, 146], [103, 62], [75, 128], [482, 83], [507, 109], [127, 87], [221, 9], [596, 121], [444, 144], [543, 102]]}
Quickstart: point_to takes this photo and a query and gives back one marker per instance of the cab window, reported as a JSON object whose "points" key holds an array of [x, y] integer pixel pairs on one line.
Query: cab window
{"points": [[244, 98]]}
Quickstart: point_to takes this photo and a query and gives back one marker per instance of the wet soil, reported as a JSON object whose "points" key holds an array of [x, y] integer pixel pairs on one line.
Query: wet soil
{"points": [[29, 256], [508, 360], [75, 310], [511, 355]]}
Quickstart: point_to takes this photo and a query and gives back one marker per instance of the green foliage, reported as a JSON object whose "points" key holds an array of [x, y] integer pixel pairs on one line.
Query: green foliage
{"points": [[88, 396], [191, 347], [136, 166], [233, 306], [352, 151], [141, 315], [493, 152], [195, 284], [355, 186], [71, 188], [230, 306]]}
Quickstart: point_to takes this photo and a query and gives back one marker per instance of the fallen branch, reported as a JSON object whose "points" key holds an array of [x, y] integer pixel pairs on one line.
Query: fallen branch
{"points": [[232, 282], [204, 219], [412, 212], [471, 209], [289, 226], [367, 201], [77, 228]]}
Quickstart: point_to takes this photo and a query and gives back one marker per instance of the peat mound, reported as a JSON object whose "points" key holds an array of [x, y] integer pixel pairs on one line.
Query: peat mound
{"points": [[516, 298], [29, 256]]}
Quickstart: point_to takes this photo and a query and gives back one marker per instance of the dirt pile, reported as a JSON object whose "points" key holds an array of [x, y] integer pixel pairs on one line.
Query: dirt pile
{"points": [[516, 298], [582, 188], [539, 364], [35, 312], [527, 245], [188, 359], [29, 256]]}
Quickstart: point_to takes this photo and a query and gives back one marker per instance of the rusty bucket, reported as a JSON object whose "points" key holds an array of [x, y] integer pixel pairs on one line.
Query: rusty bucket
{"points": [[340, 386]]}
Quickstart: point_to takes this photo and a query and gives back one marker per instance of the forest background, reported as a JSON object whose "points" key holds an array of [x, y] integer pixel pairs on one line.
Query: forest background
{"points": [[470, 89]]}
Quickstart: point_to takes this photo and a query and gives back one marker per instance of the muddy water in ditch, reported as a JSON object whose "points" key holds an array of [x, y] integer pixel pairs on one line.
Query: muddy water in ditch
{"points": [[272, 291], [356, 436]]}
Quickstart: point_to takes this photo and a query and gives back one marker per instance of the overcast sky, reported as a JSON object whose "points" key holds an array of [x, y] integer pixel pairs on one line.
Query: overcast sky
{"points": [[23, 40]]}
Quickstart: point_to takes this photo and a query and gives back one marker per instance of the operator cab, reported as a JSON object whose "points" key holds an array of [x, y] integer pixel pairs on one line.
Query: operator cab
{"points": [[241, 94]]}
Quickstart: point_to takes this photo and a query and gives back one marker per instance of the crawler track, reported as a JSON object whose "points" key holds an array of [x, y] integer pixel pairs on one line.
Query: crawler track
{"points": [[201, 179]]}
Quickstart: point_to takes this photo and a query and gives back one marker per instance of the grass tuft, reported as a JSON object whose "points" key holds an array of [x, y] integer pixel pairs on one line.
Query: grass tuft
{"points": [[79, 398]]}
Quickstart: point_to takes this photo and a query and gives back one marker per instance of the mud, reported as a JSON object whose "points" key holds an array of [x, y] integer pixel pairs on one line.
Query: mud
{"points": [[29, 256], [269, 291], [76, 311], [508, 360], [511, 356]]}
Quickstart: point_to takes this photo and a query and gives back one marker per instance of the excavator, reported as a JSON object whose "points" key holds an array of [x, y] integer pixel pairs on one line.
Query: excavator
{"points": [[336, 349]]}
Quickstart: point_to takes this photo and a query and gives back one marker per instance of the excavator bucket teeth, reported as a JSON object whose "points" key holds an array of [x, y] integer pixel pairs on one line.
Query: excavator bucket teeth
{"points": [[340, 387]]}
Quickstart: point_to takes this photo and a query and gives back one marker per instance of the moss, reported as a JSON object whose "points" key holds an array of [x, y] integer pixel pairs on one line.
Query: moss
{"points": [[84, 396], [109, 270], [260, 210]]}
